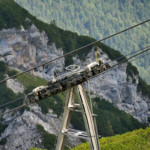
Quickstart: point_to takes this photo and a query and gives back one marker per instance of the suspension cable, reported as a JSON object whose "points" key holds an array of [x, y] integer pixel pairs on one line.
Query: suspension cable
{"points": [[140, 56], [126, 60], [76, 50], [12, 101], [12, 110], [102, 64], [117, 64]]}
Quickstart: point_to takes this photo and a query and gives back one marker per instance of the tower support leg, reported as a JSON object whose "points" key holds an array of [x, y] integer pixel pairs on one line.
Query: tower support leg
{"points": [[86, 111]]}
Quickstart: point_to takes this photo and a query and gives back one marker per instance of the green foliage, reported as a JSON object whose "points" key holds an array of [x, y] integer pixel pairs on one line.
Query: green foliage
{"points": [[29, 82], [110, 120], [99, 19], [54, 102], [112, 53], [6, 94], [10, 18], [136, 140], [131, 70], [48, 139], [11, 72], [3, 67], [36, 149], [3, 141], [2, 128], [77, 121], [143, 87]]}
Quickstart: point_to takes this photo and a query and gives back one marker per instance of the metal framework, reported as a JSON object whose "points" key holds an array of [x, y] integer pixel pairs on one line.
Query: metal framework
{"points": [[72, 81], [91, 133]]}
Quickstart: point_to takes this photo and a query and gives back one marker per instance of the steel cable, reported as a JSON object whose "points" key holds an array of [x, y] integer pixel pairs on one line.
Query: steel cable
{"points": [[76, 50]]}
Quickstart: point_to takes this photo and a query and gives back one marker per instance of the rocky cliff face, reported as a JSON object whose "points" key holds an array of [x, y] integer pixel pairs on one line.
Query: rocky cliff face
{"points": [[23, 49], [114, 87], [22, 132]]}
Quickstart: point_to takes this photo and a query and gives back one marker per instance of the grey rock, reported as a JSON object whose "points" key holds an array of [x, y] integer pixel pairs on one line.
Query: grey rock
{"points": [[15, 86], [22, 132], [114, 87], [31, 48]]}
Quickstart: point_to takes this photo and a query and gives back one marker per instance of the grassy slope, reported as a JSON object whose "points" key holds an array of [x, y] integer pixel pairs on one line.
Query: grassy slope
{"points": [[136, 140]]}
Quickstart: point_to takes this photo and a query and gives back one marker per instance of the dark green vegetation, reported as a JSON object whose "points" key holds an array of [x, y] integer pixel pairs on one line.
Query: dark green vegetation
{"points": [[131, 70], [2, 129], [36, 149], [3, 141], [136, 140], [6, 94], [110, 120], [48, 139], [143, 87], [99, 19]]}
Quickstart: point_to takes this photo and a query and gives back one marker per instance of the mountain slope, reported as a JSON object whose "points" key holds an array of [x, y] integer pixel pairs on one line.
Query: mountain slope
{"points": [[26, 42], [136, 140], [103, 109], [65, 39], [99, 19]]}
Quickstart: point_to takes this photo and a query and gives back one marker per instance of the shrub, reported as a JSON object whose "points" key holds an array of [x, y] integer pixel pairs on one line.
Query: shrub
{"points": [[48, 139]]}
